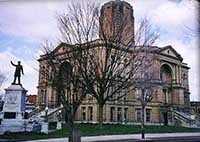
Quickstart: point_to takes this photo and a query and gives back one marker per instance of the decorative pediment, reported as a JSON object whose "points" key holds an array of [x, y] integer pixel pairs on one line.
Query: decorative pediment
{"points": [[62, 47], [170, 51]]}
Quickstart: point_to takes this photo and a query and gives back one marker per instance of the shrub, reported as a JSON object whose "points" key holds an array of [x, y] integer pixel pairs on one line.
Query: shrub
{"points": [[52, 125]]}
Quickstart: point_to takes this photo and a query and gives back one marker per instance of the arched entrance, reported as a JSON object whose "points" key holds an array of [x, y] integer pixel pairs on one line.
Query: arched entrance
{"points": [[166, 74], [166, 79], [65, 72]]}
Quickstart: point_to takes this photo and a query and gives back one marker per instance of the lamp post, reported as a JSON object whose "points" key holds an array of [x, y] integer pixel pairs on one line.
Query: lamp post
{"points": [[59, 124], [45, 124], [146, 91], [46, 114], [143, 108], [59, 116]]}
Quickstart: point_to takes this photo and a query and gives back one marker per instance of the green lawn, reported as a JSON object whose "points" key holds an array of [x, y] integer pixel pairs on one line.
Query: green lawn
{"points": [[90, 129]]}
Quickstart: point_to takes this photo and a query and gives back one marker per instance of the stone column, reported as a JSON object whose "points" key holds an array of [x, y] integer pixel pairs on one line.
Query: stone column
{"points": [[173, 74], [177, 74], [180, 74], [167, 97]]}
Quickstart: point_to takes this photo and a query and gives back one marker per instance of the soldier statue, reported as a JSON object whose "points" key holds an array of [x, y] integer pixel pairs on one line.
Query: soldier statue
{"points": [[18, 71]]}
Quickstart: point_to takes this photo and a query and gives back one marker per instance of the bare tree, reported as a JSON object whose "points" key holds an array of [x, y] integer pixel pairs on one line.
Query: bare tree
{"points": [[103, 68], [147, 83], [60, 74], [2, 79], [194, 30], [106, 66]]}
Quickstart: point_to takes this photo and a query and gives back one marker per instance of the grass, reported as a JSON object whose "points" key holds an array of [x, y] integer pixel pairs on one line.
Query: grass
{"points": [[92, 129]]}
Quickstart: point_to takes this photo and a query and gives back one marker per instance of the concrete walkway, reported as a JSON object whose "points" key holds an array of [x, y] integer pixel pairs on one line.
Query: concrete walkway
{"points": [[124, 137]]}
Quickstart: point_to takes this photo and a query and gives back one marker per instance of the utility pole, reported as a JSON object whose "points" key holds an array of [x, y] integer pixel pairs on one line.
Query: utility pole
{"points": [[143, 108]]}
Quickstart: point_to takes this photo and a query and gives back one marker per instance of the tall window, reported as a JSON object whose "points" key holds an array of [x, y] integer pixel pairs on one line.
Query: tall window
{"points": [[148, 115], [112, 89], [90, 110], [139, 114], [125, 94], [83, 111], [112, 114], [119, 114], [43, 97], [126, 114]]}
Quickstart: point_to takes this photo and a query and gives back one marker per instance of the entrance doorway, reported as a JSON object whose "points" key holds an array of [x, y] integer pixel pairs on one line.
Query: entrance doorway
{"points": [[165, 117]]}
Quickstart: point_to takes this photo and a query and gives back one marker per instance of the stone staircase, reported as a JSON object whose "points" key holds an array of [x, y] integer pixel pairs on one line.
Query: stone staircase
{"points": [[52, 114], [35, 111], [185, 119]]}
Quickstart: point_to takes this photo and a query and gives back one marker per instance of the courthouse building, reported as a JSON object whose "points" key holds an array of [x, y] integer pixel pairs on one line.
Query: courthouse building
{"points": [[171, 81]]}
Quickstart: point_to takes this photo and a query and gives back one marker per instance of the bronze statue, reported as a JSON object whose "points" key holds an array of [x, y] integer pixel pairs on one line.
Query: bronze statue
{"points": [[18, 71]]}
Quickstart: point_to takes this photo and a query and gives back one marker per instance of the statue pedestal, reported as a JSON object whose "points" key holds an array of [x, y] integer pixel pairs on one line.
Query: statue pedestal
{"points": [[45, 127], [13, 109], [59, 125]]}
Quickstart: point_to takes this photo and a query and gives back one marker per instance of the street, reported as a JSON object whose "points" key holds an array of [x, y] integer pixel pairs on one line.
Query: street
{"points": [[174, 139]]}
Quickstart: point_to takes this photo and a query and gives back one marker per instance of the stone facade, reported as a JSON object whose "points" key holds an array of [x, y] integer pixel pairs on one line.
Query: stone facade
{"points": [[168, 71]]}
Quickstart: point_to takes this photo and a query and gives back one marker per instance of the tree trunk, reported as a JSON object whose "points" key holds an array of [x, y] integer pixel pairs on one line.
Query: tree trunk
{"points": [[66, 117], [100, 116], [142, 126]]}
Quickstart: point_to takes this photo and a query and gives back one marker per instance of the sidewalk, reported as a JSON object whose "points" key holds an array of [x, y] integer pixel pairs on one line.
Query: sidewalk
{"points": [[124, 137]]}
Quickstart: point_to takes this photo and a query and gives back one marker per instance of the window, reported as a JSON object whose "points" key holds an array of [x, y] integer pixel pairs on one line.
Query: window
{"points": [[137, 69], [139, 114], [119, 114], [125, 93], [125, 114], [148, 115], [90, 110], [83, 111], [186, 99], [43, 96], [112, 114], [125, 98], [184, 76], [112, 89]]}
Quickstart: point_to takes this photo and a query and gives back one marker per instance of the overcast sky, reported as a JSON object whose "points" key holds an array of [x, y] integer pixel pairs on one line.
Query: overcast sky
{"points": [[25, 25]]}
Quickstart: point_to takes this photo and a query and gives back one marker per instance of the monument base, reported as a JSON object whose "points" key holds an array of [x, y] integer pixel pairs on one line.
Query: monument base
{"points": [[13, 110], [12, 125]]}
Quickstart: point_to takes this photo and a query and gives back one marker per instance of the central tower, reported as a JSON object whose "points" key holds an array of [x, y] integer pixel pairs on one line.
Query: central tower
{"points": [[117, 22]]}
